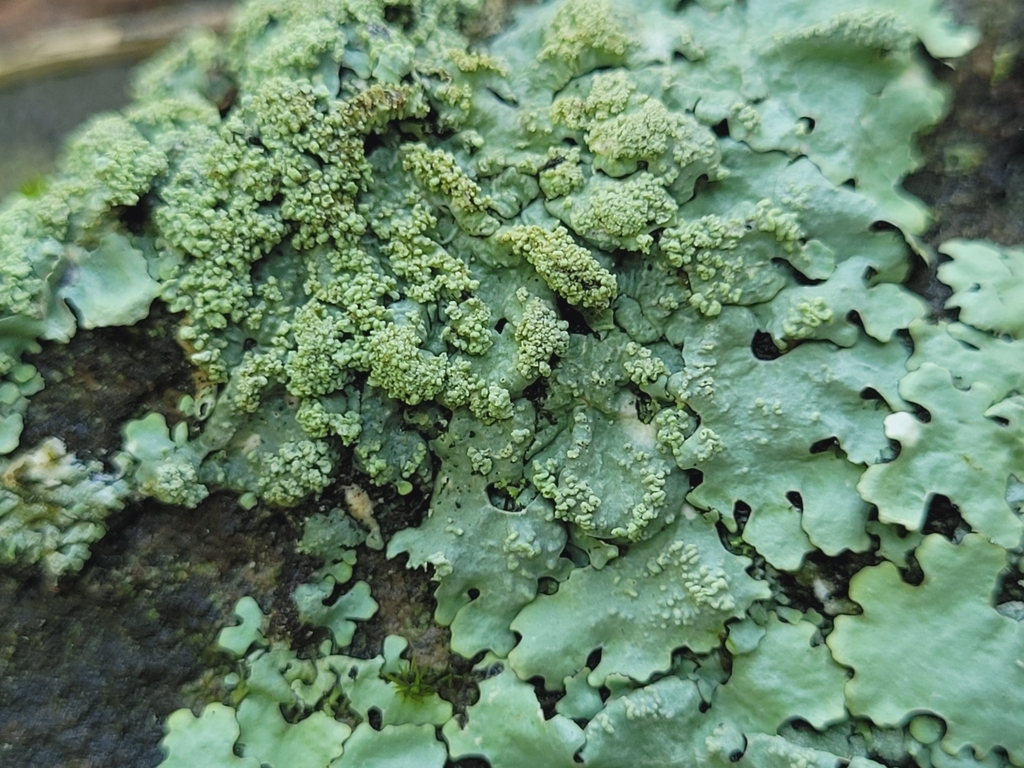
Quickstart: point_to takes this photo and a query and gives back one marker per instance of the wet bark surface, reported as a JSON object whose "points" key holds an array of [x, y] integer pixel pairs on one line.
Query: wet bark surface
{"points": [[90, 667], [973, 176]]}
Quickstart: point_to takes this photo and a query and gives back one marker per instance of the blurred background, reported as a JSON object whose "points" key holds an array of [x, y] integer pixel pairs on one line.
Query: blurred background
{"points": [[62, 60]]}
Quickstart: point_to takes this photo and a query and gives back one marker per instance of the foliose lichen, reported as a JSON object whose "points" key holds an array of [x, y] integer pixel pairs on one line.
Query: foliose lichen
{"points": [[609, 289]]}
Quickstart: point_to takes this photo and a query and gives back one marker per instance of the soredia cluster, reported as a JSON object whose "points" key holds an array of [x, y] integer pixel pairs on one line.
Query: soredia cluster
{"points": [[620, 288]]}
